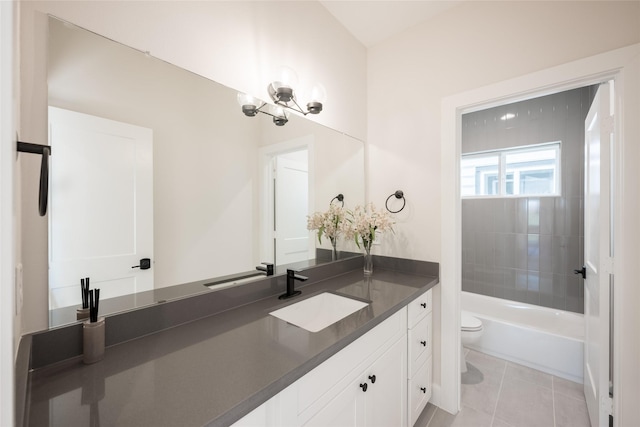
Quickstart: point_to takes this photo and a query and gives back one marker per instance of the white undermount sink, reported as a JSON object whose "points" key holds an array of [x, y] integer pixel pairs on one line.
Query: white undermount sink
{"points": [[318, 312]]}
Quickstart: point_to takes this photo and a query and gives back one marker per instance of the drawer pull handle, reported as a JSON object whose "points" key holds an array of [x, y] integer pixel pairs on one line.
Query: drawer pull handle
{"points": [[423, 304], [424, 343], [423, 389], [364, 387], [372, 378]]}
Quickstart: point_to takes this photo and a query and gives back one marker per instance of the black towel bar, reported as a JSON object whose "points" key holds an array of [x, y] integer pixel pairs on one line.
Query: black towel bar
{"points": [[45, 151]]}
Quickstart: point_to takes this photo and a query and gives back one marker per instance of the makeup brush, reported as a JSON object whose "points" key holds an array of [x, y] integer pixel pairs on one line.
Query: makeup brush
{"points": [[84, 285], [91, 307], [97, 304]]}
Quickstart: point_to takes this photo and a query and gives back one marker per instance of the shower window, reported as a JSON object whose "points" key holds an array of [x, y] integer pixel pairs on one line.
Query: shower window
{"points": [[524, 171]]}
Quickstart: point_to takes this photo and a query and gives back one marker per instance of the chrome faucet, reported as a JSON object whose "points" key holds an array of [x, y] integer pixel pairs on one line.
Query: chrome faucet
{"points": [[267, 267], [291, 281]]}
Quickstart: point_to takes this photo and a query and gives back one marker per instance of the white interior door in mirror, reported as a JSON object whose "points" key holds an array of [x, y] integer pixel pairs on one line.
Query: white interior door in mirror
{"points": [[291, 207], [101, 213]]}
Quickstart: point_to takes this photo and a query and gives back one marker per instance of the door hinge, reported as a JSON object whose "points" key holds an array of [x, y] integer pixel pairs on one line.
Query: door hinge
{"points": [[606, 405]]}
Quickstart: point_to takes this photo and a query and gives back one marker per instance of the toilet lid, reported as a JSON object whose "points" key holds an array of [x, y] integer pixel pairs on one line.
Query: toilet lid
{"points": [[470, 323]]}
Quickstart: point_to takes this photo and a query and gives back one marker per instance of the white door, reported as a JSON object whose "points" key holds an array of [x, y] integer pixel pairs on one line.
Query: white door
{"points": [[291, 208], [597, 254], [101, 207]]}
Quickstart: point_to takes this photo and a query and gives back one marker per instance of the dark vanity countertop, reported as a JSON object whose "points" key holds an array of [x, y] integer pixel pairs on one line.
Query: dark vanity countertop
{"points": [[214, 370]]}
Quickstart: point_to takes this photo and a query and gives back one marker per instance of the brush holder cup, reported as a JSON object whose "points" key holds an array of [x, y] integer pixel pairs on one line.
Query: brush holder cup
{"points": [[82, 313], [93, 341]]}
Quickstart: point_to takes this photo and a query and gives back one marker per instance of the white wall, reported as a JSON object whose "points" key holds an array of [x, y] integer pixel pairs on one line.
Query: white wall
{"points": [[234, 43], [468, 46]]}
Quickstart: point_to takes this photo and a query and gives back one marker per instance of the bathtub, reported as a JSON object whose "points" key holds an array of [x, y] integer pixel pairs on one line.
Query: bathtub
{"points": [[542, 338]]}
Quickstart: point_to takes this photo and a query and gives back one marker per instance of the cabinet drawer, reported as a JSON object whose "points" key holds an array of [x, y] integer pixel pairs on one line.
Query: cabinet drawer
{"points": [[419, 391], [420, 343], [341, 366], [419, 307]]}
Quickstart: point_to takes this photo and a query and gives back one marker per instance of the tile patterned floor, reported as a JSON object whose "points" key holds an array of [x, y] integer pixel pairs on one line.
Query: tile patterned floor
{"points": [[505, 394]]}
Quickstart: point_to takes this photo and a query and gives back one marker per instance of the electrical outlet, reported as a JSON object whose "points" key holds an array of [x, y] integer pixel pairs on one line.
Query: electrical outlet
{"points": [[18, 296]]}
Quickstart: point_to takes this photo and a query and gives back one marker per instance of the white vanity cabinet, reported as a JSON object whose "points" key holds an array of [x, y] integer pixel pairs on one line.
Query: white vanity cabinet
{"points": [[420, 350], [364, 384], [375, 398]]}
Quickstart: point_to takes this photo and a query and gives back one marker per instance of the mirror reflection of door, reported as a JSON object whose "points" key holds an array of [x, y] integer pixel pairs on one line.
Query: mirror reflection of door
{"points": [[291, 201], [101, 213]]}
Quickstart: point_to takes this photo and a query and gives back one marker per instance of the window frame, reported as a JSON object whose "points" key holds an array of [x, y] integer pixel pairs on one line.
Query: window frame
{"points": [[502, 154]]}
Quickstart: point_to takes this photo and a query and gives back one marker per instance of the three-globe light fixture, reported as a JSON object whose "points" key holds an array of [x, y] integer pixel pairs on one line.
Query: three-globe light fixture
{"points": [[284, 96]]}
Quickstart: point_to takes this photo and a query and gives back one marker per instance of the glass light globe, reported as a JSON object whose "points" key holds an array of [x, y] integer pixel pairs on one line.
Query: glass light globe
{"points": [[245, 99], [279, 116], [276, 110], [285, 77], [249, 104], [317, 97], [318, 93]]}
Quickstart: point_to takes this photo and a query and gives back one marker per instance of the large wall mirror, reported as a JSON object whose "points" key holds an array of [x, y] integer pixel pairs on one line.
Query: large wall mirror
{"points": [[152, 161]]}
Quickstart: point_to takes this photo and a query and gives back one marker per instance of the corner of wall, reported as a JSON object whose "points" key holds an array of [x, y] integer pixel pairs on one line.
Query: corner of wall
{"points": [[9, 335]]}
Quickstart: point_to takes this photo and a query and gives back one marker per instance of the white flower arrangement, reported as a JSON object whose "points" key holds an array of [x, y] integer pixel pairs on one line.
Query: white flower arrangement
{"points": [[329, 223], [363, 223]]}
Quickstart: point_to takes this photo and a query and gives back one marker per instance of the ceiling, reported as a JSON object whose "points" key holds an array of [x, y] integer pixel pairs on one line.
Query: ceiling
{"points": [[372, 21]]}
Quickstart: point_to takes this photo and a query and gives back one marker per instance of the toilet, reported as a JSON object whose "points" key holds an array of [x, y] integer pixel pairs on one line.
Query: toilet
{"points": [[471, 331]]}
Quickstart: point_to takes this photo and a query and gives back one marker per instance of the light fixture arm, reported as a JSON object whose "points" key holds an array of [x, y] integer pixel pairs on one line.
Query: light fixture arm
{"points": [[278, 120], [297, 107]]}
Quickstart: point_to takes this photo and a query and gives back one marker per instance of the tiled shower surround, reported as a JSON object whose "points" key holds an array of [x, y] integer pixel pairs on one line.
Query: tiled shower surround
{"points": [[526, 248]]}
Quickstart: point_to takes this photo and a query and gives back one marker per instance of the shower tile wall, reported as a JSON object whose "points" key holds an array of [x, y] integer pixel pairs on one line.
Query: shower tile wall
{"points": [[526, 248]]}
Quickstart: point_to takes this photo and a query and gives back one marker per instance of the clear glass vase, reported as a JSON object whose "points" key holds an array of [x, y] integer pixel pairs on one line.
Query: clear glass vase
{"points": [[334, 252], [368, 261]]}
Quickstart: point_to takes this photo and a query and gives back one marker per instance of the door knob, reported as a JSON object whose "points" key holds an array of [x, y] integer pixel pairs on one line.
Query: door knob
{"points": [[145, 264], [364, 387], [582, 272], [424, 343], [372, 378]]}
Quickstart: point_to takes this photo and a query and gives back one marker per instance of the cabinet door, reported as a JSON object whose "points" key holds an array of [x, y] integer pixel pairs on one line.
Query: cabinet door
{"points": [[419, 391], [386, 398], [344, 410]]}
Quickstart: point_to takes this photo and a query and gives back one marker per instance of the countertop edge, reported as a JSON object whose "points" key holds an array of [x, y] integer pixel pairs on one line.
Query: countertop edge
{"points": [[22, 380]]}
